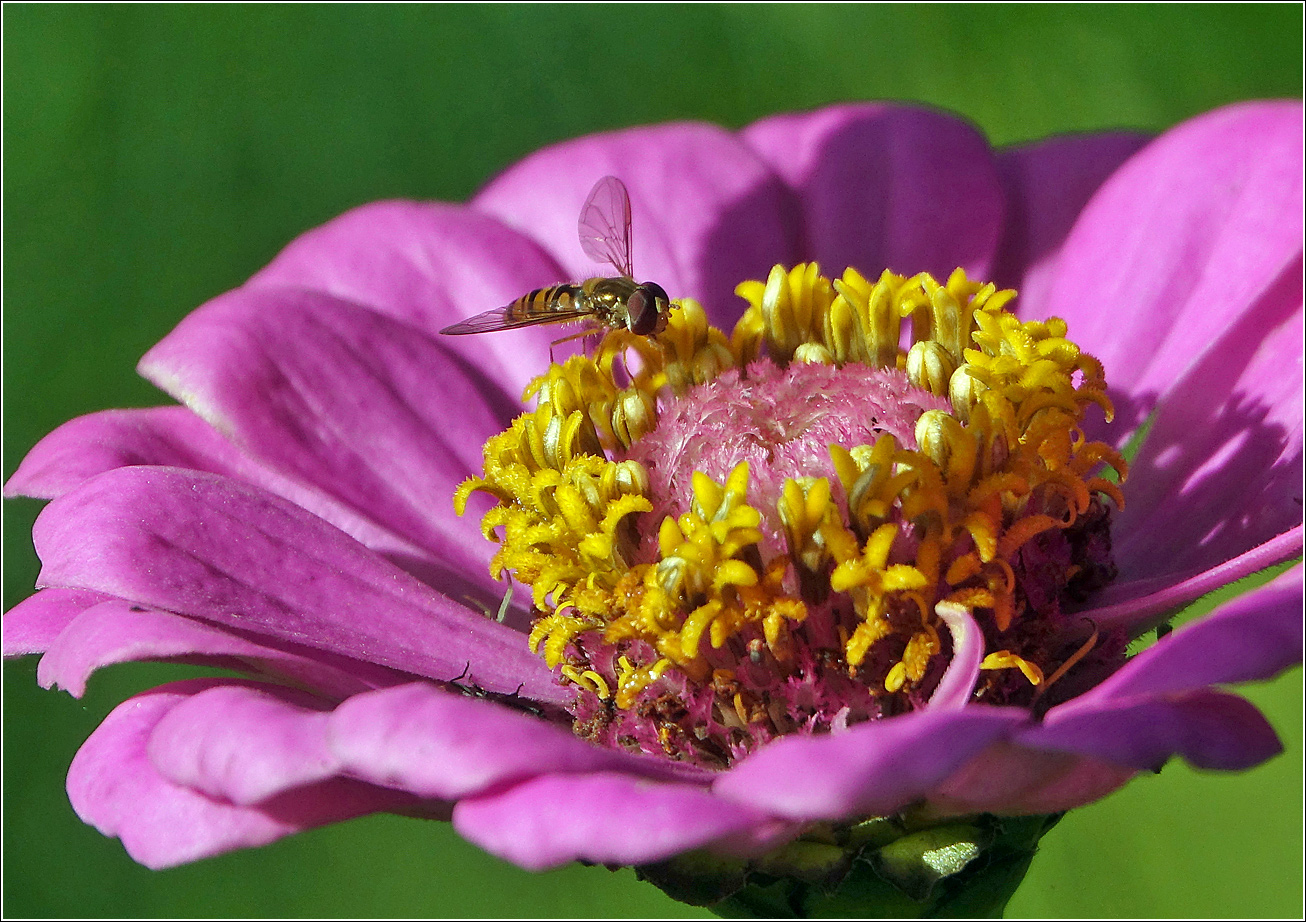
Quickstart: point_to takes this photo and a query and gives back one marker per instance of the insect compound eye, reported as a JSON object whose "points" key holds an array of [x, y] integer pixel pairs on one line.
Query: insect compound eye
{"points": [[656, 291], [642, 310]]}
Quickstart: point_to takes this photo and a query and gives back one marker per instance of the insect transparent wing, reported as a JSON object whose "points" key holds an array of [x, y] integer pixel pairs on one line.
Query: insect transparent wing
{"points": [[503, 318], [605, 225]]}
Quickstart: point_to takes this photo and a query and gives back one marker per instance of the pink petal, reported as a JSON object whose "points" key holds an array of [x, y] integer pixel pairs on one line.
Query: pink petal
{"points": [[958, 682], [886, 186], [1220, 470], [117, 631], [99, 442], [35, 623], [362, 407], [1182, 241], [1149, 602], [873, 769], [228, 553], [1253, 637], [706, 212], [609, 819], [243, 743], [1012, 780], [444, 745], [1157, 705], [1047, 184], [1209, 729], [428, 264], [1083, 751], [174, 436], [114, 787]]}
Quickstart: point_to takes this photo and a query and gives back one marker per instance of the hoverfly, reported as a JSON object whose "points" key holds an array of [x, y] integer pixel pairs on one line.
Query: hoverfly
{"points": [[641, 307]]}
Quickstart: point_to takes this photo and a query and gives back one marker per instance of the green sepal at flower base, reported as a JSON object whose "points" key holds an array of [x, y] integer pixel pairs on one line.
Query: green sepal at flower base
{"points": [[885, 867]]}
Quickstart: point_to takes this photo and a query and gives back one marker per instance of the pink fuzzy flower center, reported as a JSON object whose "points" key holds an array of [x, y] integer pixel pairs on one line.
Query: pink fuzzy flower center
{"points": [[782, 422]]}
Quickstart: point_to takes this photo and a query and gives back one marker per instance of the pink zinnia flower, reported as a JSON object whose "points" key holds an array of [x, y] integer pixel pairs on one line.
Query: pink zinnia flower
{"points": [[744, 679]]}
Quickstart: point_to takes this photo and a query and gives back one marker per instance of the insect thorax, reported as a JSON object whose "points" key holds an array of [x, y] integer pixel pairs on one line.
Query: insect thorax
{"points": [[611, 291]]}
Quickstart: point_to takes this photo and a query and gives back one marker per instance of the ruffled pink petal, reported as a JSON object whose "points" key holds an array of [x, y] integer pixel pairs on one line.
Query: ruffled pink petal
{"points": [[442, 744], [364, 408], [114, 786], [231, 554], [244, 743], [174, 436], [428, 264], [872, 769], [35, 623], [886, 186], [608, 818], [1209, 729], [1182, 240], [1254, 637], [1047, 184], [706, 212], [117, 631]]}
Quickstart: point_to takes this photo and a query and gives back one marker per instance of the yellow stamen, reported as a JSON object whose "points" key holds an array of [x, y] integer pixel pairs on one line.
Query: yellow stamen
{"points": [[1004, 659], [589, 680]]}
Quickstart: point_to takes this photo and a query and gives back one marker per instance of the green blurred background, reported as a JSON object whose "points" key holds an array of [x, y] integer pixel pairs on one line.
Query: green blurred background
{"points": [[157, 156]]}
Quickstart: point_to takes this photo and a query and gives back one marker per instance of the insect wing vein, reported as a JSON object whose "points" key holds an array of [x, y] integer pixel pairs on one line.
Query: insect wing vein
{"points": [[503, 318], [604, 225]]}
